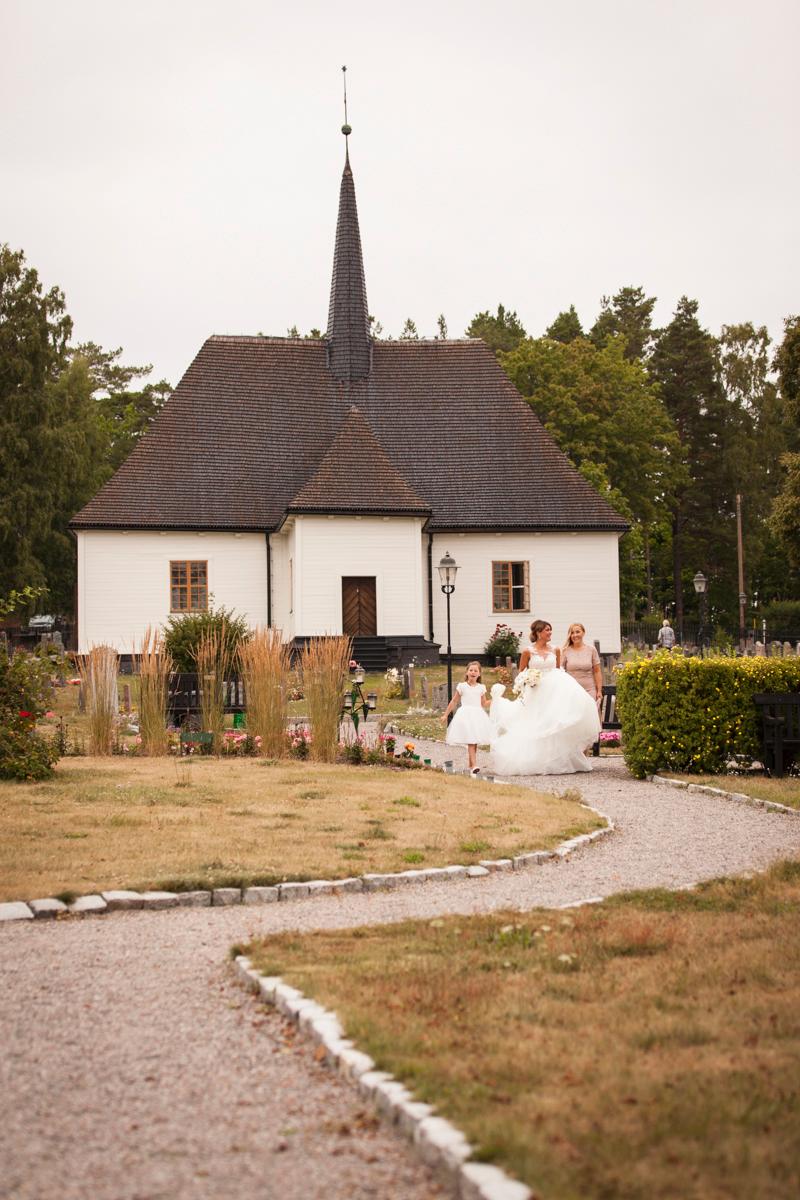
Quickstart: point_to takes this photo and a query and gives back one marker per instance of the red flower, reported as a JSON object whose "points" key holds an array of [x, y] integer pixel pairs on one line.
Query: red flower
{"points": [[26, 714]]}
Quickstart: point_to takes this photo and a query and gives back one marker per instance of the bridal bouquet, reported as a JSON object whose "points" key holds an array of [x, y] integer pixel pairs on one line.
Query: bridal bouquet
{"points": [[526, 679]]}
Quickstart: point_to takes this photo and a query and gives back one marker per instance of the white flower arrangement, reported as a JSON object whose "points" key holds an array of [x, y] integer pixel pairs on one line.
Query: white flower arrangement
{"points": [[526, 679]]}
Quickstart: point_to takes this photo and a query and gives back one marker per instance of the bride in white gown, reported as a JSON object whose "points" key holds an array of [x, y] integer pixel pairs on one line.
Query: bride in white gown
{"points": [[546, 730]]}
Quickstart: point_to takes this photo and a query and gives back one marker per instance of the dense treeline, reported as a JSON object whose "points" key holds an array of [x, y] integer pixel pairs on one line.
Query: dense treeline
{"points": [[670, 424], [69, 416]]}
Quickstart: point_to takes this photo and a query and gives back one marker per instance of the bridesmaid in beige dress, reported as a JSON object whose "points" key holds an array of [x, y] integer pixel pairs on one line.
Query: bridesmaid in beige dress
{"points": [[582, 661]]}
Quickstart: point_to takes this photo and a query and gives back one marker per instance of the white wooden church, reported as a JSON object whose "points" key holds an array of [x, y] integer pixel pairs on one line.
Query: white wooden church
{"points": [[314, 485]]}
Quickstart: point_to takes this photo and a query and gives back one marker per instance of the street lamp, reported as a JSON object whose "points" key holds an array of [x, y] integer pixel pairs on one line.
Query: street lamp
{"points": [[700, 584], [447, 578]]}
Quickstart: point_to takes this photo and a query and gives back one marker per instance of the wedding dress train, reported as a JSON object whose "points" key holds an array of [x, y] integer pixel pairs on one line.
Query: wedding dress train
{"points": [[545, 731]]}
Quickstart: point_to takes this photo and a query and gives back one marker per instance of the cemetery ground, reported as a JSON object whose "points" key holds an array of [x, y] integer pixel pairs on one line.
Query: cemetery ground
{"points": [[644, 1048]]}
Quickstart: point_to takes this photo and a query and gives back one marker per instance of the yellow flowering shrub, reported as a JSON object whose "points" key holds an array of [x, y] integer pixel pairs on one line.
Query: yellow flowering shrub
{"points": [[694, 714]]}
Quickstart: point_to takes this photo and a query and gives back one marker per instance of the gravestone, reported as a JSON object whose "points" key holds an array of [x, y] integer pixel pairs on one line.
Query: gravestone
{"points": [[126, 697], [423, 689], [760, 650], [439, 696], [408, 682]]}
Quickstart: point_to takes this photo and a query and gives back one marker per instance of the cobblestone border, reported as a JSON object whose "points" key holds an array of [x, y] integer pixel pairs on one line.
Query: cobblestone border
{"points": [[439, 1143], [739, 797], [120, 900]]}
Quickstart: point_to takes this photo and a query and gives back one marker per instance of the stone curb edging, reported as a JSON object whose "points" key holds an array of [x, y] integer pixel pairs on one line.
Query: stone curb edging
{"points": [[737, 797], [122, 900], [441, 1145]]}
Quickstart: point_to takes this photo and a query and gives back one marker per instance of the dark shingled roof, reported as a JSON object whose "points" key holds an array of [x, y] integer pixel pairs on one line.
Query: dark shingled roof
{"points": [[261, 426], [356, 475]]}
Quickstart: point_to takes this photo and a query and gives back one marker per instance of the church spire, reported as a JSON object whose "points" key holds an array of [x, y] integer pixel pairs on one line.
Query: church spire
{"points": [[349, 345]]}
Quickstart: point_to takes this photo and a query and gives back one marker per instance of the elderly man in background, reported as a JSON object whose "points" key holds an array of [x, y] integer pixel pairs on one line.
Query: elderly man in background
{"points": [[666, 636]]}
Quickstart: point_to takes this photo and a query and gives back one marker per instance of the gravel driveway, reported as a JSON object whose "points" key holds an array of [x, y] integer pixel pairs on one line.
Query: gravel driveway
{"points": [[133, 1068]]}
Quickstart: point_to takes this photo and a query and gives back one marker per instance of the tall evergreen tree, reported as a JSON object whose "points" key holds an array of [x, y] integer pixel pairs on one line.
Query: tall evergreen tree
{"points": [[501, 332], [684, 364], [784, 519], [409, 331], [629, 313], [566, 327], [34, 330]]}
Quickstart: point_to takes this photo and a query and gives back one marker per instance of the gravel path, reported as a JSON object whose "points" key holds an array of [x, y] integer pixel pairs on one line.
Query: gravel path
{"points": [[133, 1068]]}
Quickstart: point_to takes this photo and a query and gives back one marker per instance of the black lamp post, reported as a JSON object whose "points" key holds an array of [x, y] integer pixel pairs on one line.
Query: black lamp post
{"points": [[355, 704], [700, 584], [447, 577]]}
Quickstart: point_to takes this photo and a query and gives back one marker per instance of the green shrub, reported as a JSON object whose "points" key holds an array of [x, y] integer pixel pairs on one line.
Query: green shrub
{"points": [[183, 635], [25, 692], [694, 714], [503, 643]]}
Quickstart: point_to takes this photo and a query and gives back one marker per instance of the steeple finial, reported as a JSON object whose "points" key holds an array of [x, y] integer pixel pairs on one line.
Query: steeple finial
{"points": [[346, 128]]}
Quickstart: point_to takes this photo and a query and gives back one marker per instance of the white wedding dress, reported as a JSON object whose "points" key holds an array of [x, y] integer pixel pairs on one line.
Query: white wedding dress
{"points": [[545, 731]]}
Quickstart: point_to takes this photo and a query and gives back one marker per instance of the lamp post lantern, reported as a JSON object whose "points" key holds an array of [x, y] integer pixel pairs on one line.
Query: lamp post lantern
{"points": [[700, 584], [447, 578]]}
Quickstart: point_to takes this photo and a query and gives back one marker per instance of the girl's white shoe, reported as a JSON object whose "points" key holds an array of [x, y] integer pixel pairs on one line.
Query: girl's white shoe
{"points": [[474, 771]]}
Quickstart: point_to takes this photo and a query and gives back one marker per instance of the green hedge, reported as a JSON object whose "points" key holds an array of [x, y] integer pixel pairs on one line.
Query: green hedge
{"points": [[693, 714]]}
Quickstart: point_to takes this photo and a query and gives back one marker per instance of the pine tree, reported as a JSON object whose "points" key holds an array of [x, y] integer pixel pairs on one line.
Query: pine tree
{"points": [[502, 332], [34, 330], [684, 364], [566, 327], [629, 313]]}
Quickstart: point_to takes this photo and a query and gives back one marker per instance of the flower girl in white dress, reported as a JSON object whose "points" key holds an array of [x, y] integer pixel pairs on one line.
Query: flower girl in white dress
{"points": [[470, 726], [546, 730]]}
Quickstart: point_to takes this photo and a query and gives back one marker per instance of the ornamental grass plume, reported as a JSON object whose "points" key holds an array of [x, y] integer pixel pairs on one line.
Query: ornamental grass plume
{"points": [[154, 665], [215, 657], [325, 662], [265, 664], [98, 672]]}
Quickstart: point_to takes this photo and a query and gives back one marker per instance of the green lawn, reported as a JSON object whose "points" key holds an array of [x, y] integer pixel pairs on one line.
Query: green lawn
{"points": [[647, 1048]]}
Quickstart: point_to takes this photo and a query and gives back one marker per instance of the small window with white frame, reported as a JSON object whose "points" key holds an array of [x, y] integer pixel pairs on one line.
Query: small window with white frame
{"points": [[188, 586], [511, 591]]}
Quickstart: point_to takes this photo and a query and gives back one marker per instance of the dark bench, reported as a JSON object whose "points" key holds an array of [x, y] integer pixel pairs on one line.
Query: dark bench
{"points": [[780, 728], [184, 696], [608, 713]]}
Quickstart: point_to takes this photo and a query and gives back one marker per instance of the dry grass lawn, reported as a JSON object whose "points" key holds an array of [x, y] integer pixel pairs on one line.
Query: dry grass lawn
{"points": [[644, 1049], [206, 822], [781, 791]]}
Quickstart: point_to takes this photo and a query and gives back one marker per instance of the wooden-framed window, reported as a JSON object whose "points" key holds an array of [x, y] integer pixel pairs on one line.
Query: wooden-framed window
{"points": [[511, 587], [188, 586]]}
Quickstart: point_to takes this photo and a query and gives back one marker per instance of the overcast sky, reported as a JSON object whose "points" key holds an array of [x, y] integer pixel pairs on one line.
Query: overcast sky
{"points": [[174, 165]]}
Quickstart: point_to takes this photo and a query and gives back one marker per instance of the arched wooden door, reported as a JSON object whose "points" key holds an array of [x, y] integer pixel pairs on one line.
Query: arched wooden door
{"points": [[359, 609]]}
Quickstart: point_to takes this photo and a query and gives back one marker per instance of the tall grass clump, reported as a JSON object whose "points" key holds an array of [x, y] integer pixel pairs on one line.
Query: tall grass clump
{"points": [[265, 664], [325, 662], [98, 672], [215, 657], [154, 664]]}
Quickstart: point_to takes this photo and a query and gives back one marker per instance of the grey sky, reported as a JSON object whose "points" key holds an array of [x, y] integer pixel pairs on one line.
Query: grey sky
{"points": [[174, 166]]}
